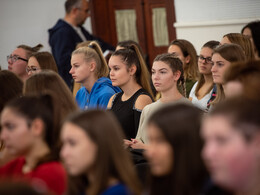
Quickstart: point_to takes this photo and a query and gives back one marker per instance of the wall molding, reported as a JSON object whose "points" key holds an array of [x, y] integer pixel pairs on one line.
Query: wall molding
{"points": [[213, 23]]}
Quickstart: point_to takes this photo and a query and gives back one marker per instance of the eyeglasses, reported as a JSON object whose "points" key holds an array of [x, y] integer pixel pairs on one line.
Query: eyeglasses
{"points": [[207, 60], [15, 58], [31, 69]]}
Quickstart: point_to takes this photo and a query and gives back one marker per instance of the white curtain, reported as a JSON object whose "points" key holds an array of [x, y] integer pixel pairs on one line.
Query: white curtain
{"points": [[126, 25], [160, 29]]}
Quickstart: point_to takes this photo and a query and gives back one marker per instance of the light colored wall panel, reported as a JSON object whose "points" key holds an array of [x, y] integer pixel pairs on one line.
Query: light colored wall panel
{"points": [[199, 33], [27, 22]]}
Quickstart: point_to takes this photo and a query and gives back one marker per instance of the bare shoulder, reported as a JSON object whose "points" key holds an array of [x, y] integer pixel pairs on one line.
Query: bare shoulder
{"points": [[142, 101], [109, 105]]}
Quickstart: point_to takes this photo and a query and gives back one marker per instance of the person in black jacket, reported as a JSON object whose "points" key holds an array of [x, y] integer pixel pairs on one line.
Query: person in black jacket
{"points": [[68, 32]]}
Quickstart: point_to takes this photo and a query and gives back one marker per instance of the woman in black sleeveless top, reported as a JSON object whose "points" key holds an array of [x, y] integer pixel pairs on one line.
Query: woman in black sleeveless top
{"points": [[129, 72]]}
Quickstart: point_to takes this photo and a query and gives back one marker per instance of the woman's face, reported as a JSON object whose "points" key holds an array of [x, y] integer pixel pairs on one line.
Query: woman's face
{"points": [[78, 150], [220, 66], [159, 152], [80, 69], [225, 40], [204, 61], [33, 66], [178, 52], [19, 66], [231, 160], [16, 134], [247, 32], [120, 75], [162, 76]]}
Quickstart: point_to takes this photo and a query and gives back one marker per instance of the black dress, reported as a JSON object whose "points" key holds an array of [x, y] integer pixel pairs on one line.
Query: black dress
{"points": [[126, 113]]}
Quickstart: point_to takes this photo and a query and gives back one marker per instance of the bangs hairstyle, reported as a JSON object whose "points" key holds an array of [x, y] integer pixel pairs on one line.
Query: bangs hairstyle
{"points": [[94, 52], [112, 160], [176, 65], [132, 56]]}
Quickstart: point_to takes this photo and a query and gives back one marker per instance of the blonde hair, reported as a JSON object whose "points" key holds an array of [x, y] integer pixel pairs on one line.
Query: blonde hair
{"points": [[94, 52]]}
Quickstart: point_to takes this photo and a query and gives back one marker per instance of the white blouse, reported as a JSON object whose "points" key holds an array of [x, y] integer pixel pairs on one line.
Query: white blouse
{"points": [[202, 103]]}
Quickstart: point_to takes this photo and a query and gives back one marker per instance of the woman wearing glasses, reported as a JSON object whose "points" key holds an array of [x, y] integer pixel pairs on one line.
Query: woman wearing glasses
{"points": [[18, 60], [203, 88], [41, 61]]}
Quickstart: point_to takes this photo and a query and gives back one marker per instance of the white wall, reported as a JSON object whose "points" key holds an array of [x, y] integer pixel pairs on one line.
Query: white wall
{"points": [[202, 20], [27, 22]]}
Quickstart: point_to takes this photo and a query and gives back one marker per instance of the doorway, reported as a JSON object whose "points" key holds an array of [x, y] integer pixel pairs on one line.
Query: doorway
{"points": [[148, 22]]}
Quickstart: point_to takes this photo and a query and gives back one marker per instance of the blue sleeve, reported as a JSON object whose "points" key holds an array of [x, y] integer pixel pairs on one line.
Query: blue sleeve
{"points": [[117, 190], [81, 98], [104, 99]]}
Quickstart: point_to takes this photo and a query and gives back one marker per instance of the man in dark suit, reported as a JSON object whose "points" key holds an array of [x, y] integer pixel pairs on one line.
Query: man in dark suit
{"points": [[68, 32]]}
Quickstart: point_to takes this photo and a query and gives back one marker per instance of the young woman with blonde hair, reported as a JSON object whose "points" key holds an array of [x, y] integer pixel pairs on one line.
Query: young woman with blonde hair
{"points": [[89, 68]]}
